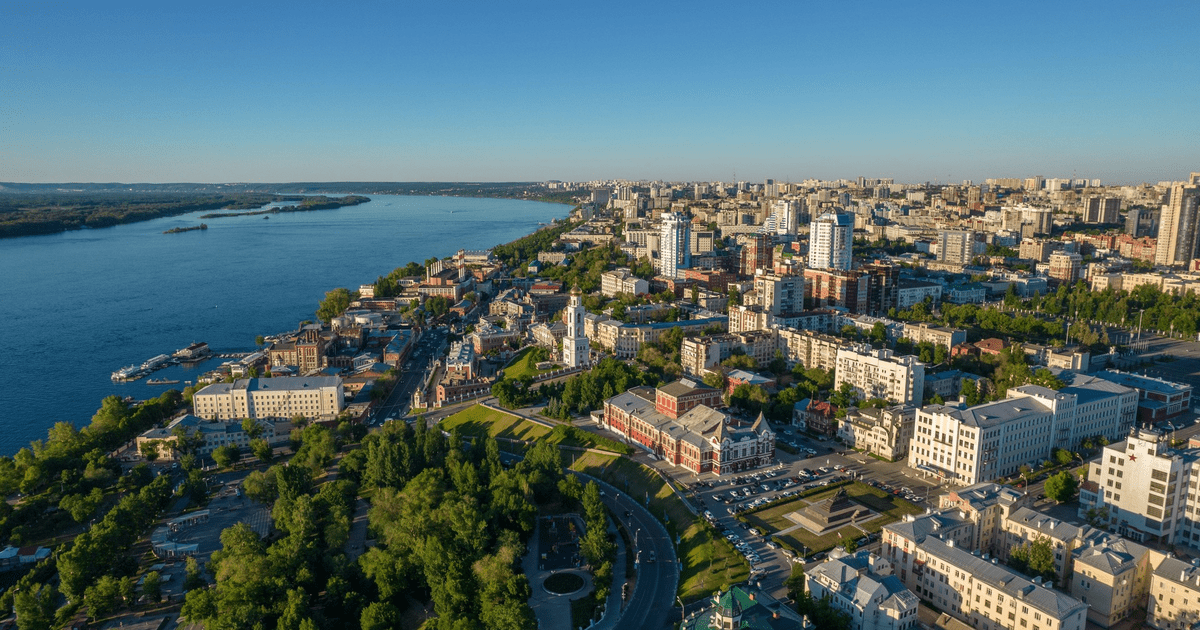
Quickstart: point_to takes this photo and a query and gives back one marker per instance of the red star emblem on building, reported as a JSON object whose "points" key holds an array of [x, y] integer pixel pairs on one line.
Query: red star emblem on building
{"points": [[1133, 458]]}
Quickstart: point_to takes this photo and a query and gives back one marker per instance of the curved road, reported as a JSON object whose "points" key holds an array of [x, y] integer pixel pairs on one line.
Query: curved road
{"points": [[654, 592]]}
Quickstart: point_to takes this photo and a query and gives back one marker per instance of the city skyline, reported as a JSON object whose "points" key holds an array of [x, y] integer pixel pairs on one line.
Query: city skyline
{"points": [[486, 93]]}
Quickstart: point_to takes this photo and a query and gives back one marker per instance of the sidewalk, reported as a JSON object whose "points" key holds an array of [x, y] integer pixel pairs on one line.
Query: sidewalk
{"points": [[614, 607]]}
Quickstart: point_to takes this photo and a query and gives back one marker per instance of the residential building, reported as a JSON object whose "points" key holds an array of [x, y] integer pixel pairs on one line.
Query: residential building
{"points": [[313, 397], [987, 595], [809, 349], [814, 415], [678, 423], [1112, 575], [863, 586], [549, 334], [883, 287], [936, 335], [967, 293], [836, 288], [1174, 596], [1179, 227], [911, 292], [1064, 266], [779, 295], [743, 377], [488, 337], [877, 373], [674, 252], [622, 280], [956, 247], [884, 432], [1139, 486], [575, 344], [757, 253], [625, 340], [1101, 209], [700, 354], [830, 240], [1037, 249], [1024, 526]]}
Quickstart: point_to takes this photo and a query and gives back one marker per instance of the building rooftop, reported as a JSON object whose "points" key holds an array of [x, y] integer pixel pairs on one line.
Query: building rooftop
{"points": [[1055, 603], [993, 413], [1144, 383]]}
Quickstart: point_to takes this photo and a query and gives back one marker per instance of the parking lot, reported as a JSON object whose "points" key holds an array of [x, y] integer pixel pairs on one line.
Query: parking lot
{"points": [[225, 510]]}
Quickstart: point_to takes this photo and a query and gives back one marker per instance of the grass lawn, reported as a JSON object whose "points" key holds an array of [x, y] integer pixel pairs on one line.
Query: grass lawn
{"points": [[574, 436], [709, 562], [523, 365], [890, 508], [479, 420]]}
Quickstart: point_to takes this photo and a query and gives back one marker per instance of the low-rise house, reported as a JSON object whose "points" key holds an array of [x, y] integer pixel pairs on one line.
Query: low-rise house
{"points": [[815, 415], [863, 586]]}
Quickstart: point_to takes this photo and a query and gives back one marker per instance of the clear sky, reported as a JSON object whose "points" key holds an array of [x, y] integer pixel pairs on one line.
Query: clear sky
{"points": [[492, 91]]}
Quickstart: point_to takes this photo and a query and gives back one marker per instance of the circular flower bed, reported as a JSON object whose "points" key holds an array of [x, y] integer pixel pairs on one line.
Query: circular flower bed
{"points": [[563, 583]]}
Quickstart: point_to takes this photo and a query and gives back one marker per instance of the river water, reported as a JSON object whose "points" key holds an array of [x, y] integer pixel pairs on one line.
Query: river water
{"points": [[78, 305]]}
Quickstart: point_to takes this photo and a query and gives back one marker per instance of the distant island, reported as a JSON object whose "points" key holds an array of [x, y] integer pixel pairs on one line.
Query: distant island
{"points": [[180, 230], [307, 205], [33, 209]]}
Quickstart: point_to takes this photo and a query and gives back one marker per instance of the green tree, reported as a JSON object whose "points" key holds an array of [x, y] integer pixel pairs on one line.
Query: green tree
{"points": [[152, 586], [35, 606], [193, 575], [380, 616], [261, 449], [252, 428], [1036, 559], [149, 450], [335, 303], [225, 455], [1062, 487], [101, 597]]}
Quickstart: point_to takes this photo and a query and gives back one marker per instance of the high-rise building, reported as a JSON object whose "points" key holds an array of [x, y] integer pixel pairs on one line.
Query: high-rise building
{"points": [[880, 374], [674, 253], [785, 215], [830, 241], [756, 254], [575, 343], [883, 287], [779, 294], [1178, 230], [1101, 209], [956, 247]]}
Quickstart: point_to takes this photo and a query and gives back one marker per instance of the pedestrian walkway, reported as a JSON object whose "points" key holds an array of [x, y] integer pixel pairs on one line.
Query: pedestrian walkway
{"points": [[615, 605]]}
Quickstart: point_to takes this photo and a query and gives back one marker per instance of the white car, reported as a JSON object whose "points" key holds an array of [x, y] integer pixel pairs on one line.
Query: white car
{"points": [[708, 515]]}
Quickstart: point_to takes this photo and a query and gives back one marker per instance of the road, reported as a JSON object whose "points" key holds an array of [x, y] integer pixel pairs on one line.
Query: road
{"points": [[412, 375]]}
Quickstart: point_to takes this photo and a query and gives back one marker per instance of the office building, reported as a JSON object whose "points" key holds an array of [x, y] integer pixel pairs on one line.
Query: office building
{"points": [[830, 241], [883, 432], [1139, 488], [674, 254], [1178, 226], [877, 373]]}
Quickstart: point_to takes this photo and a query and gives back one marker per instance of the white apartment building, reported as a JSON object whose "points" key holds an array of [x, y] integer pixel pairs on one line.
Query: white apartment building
{"points": [[863, 586], [830, 240], [785, 215], [622, 281], [314, 397], [1145, 489], [779, 294], [879, 374], [987, 595], [956, 247], [674, 246], [913, 291]]}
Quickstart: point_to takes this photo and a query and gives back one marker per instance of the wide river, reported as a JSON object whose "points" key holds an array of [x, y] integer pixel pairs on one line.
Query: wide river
{"points": [[78, 305]]}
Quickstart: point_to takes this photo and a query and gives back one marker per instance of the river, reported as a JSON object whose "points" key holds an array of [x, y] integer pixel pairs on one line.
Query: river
{"points": [[78, 305]]}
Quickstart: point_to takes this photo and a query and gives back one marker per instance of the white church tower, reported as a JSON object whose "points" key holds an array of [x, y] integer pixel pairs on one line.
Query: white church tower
{"points": [[575, 344]]}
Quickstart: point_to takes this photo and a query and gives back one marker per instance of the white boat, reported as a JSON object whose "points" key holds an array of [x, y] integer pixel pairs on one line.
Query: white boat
{"points": [[126, 373], [156, 361]]}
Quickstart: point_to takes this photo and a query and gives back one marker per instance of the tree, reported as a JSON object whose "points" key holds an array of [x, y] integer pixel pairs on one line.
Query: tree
{"points": [[262, 450], [35, 606], [252, 428], [1026, 473], [850, 545], [795, 582], [1062, 487], [1036, 559], [100, 598], [152, 586], [1063, 456], [149, 450], [970, 392], [194, 576], [225, 455], [380, 616], [335, 303]]}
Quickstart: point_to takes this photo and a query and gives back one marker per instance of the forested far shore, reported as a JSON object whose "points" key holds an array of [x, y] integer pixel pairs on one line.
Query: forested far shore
{"points": [[307, 205], [28, 215]]}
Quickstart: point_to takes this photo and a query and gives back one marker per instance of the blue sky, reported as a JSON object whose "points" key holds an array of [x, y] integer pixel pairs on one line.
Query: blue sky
{"points": [[489, 91]]}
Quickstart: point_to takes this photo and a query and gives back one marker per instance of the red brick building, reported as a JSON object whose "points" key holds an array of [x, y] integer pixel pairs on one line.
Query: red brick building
{"points": [[676, 424]]}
